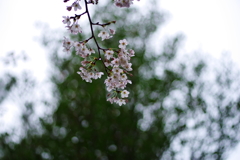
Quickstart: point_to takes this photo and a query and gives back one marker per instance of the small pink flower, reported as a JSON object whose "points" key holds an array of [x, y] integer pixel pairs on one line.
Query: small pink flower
{"points": [[124, 93], [76, 6], [75, 29], [123, 43], [104, 35], [109, 54], [69, 8], [66, 20], [120, 102], [112, 31], [115, 62]]}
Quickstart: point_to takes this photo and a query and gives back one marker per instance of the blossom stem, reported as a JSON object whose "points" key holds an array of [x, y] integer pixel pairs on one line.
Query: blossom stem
{"points": [[78, 16], [93, 36]]}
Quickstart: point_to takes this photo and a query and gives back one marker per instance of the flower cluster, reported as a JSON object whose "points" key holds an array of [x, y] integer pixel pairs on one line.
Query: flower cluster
{"points": [[120, 66], [116, 62], [123, 3]]}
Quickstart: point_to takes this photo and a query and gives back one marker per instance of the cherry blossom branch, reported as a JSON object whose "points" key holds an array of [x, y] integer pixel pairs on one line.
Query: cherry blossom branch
{"points": [[93, 36], [115, 62]]}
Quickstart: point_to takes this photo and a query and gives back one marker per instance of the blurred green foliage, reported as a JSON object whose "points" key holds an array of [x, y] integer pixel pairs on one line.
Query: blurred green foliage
{"points": [[171, 108]]}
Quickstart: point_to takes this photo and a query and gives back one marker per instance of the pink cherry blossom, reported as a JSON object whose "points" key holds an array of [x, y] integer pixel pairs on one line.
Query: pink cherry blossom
{"points": [[123, 43], [66, 20], [76, 6], [75, 29], [109, 54], [104, 35], [124, 93]]}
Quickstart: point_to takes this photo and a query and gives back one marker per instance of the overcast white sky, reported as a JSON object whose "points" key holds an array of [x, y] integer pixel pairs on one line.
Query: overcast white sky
{"points": [[213, 26], [210, 25]]}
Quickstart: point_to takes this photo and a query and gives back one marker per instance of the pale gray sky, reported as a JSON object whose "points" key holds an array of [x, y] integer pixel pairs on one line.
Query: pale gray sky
{"points": [[210, 25]]}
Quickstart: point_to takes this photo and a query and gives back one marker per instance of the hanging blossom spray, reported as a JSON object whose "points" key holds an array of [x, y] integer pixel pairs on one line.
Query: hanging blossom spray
{"points": [[116, 62]]}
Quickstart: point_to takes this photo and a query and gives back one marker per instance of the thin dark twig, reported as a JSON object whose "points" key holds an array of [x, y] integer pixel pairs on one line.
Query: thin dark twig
{"points": [[93, 36]]}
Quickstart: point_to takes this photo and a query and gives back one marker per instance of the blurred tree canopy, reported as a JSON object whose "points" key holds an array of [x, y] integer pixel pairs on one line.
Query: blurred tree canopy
{"points": [[176, 110]]}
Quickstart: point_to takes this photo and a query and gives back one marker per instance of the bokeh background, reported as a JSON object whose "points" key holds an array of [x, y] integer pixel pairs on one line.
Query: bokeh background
{"points": [[184, 101]]}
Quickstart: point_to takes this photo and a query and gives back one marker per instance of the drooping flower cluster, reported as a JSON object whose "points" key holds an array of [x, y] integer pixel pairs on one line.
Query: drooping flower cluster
{"points": [[120, 66], [115, 61]]}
